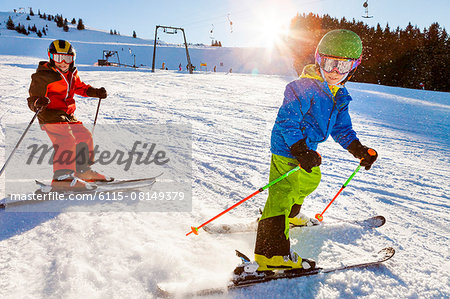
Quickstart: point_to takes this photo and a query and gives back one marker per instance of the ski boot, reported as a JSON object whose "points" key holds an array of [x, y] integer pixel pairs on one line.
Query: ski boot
{"points": [[93, 176], [287, 262], [302, 220], [263, 268], [69, 182]]}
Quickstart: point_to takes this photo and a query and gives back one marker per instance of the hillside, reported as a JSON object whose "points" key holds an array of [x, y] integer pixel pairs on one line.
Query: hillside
{"points": [[90, 44]]}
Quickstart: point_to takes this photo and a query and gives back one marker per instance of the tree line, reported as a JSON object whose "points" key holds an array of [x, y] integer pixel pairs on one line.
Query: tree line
{"points": [[406, 57], [58, 19]]}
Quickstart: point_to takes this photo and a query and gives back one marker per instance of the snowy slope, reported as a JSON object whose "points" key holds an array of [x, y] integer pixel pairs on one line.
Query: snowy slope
{"points": [[112, 254], [90, 44]]}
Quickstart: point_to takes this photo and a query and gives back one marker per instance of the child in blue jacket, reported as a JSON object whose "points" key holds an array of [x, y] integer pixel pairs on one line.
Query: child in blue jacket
{"points": [[314, 107]]}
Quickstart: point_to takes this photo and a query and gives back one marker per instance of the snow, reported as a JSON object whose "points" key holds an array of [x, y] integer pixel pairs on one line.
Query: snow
{"points": [[126, 254], [90, 44]]}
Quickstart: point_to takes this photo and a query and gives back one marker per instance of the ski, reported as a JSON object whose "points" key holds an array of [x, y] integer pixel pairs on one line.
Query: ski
{"points": [[112, 183], [245, 275], [242, 278], [113, 186], [372, 222]]}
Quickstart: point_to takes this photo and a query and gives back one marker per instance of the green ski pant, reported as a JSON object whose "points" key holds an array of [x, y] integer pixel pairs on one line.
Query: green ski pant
{"points": [[289, 191]]}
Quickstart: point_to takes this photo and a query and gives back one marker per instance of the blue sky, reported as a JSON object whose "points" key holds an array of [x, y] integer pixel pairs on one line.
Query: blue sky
{"points": [[254, 22]]}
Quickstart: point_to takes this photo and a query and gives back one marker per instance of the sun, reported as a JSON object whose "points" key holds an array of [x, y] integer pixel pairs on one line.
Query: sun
{"points": [[273, 30], [270, 23]]}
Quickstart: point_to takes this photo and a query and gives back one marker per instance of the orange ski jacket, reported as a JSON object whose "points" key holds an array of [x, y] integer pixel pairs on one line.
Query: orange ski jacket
{"points": [[60, 88]]}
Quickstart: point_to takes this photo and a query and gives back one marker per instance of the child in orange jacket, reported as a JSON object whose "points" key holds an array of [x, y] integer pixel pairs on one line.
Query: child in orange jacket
{"points": [[52, 89]]}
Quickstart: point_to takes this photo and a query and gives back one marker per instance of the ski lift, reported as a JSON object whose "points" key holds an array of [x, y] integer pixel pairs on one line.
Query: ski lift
{"points": [[231, 23], [211, 32], [170, 31], [366, 7]]}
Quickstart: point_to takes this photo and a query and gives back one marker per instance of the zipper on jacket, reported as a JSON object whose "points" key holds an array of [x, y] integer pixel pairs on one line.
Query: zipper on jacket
{"points": [[332, 109], [68, 84]]}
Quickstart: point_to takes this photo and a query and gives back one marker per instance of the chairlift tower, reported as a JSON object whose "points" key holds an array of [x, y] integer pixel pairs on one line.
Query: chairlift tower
{"points": [[171, 30]]}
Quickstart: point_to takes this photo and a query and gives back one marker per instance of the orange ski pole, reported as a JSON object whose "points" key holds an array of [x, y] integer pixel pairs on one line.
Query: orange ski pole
{"points": [[319, 216], [195, 229]]}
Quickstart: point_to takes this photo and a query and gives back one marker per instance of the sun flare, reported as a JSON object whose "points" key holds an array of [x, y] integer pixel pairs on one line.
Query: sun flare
{"points": [[271, 23], [272, 31]]}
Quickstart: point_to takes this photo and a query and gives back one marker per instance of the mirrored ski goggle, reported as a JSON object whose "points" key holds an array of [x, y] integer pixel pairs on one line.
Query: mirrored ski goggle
{"points": [[341, 65], [67, 58]]}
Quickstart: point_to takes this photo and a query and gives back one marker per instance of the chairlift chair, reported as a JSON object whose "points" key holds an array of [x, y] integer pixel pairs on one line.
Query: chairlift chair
{"points": [[366, 7]]}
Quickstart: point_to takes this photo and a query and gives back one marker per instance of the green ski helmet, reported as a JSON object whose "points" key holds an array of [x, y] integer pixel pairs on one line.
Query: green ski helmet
{"points": [[340, 43]]}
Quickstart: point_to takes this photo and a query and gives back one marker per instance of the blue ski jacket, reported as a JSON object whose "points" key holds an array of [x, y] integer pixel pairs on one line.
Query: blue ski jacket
{"points": [[311, 111]]}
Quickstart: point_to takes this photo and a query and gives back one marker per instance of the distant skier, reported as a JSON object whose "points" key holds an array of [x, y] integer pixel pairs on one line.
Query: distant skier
{"points": [[314, 107], [52, 89]]}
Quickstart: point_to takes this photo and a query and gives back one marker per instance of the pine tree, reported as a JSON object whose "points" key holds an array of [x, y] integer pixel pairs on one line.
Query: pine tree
{"points": [[400, 57], [31, 12], [59, 21], [111, 32], [134, 34], [39, 13], [10, 24], [39, 33], [80, 25], [66, 28], [73, 21], [28, 18]]}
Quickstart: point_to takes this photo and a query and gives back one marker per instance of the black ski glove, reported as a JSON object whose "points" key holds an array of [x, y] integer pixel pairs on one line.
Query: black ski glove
{"points": [[40, 103], [365, 154], [97, 92], [306, 157]]}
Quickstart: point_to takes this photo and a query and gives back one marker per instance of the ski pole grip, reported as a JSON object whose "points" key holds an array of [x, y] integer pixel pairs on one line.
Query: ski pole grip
{"points": [[372, 152]]}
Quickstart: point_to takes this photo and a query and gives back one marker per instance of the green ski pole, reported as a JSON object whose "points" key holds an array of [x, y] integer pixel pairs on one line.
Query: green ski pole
{"points": [[320, 215]]}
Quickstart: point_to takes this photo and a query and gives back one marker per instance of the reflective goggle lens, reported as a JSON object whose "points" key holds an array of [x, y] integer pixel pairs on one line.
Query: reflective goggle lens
{"points": [[67, 58], [342, 66]]}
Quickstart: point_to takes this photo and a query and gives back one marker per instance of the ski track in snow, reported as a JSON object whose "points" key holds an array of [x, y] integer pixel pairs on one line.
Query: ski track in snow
{"points": [[112, 254]]}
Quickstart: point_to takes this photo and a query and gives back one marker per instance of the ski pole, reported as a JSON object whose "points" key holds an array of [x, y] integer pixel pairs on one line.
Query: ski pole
{"points": [[320, 216], [20, 140], [195, 229], [96, 115]]}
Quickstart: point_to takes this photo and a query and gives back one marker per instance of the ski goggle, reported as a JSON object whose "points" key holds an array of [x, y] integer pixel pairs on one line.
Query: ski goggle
{"points": [[341, 65], [57, 57]]}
